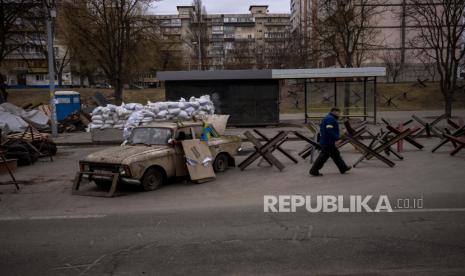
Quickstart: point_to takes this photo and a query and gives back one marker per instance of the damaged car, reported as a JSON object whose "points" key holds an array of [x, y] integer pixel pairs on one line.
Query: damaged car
{"points": [[153, 153]]}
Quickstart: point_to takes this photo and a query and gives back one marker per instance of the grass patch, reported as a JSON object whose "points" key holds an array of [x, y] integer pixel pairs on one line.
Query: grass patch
{"points": [[21, 97], [406, 96], [415, 98]]}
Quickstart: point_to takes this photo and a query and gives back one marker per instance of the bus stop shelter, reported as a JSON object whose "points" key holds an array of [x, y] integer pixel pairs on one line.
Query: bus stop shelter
{"points": [[252, 97], [353, 90]]}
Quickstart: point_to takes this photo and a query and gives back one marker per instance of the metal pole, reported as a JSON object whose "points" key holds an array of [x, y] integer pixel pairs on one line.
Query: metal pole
{"points": [[51, 71], [200, 52], [365, 99], [375, 100], [305, 99], [335, 92]]}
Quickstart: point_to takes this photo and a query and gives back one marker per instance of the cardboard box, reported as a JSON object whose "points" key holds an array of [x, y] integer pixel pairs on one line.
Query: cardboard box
{"points": [[199, 160]]}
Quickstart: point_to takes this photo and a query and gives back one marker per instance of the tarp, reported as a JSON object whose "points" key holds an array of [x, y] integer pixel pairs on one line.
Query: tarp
{"points": [[11, 123], [37, 118], [5, 129]]}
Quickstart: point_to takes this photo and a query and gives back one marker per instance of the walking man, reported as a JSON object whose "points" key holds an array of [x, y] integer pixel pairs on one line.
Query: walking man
{"points": [[329, 134]]}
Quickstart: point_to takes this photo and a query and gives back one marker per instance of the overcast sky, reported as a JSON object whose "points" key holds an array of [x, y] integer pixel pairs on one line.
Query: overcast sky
{"points": [[222, 6]]}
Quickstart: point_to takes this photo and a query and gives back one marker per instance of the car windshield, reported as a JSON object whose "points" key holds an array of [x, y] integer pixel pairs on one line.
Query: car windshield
{"points": [[150, 136]]}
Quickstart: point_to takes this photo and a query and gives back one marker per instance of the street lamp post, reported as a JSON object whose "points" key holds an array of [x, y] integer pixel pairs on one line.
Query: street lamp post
{"points": [[51, 13], [200, 52]]}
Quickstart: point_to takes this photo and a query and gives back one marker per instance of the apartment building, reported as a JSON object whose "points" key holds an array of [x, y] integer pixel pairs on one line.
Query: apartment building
{"points": [[393, 42], [26, 63], [304, 14], [232, 41]]}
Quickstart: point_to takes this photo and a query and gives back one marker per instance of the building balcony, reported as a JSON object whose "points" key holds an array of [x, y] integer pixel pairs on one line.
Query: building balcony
{"points": [[240, 24], [277, 23], [276, 36], [17, 56], [244, 39]]}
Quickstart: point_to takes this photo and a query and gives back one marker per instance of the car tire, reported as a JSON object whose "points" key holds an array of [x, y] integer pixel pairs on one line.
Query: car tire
{"points": [[153, 179], [24, 158], [20, 152], [221, 163]]}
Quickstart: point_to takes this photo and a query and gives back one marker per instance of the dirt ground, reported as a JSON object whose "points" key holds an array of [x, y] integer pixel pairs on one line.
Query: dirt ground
{"points": [[405, 96]]}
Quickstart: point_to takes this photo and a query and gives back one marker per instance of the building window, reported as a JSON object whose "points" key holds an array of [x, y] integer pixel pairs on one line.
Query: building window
{"points": [[217, 29]]}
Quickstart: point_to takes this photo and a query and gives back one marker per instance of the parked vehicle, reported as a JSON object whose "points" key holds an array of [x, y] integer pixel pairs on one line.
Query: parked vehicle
{"points": [[154, 153], [103, 86]]}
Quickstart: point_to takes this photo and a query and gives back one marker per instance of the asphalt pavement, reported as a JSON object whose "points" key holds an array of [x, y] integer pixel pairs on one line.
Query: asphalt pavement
{"points": [[220, 227], [236, 241]]}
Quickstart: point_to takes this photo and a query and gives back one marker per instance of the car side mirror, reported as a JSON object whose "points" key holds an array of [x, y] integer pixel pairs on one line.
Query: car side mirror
{"points": [[172, 142]]}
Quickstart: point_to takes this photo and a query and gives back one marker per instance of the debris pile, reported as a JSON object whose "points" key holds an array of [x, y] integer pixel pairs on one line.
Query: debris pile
{"points": [[16, 119]]}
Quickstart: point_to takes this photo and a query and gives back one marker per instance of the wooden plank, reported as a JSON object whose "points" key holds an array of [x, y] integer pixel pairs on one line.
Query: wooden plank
{"points": [[78, 179]]}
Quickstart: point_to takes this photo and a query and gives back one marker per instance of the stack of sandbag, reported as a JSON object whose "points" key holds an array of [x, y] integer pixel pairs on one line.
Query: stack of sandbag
{"points": [[129, 116], [162, 111], [182, 109], [111, 116]]}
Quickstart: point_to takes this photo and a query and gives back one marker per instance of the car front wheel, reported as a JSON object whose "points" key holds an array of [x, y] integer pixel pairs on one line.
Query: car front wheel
{"points": [[221, 163], [153, 179]]}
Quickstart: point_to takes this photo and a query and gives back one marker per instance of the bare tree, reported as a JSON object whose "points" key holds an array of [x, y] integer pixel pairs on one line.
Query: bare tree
{"points": [[13, 14], [167, 56], [36, 37], [441, 29], [428, 66], [279, 53], [111, 32], [297, 53], [344, 31], [393, 61], [240, 57], [13, 17], [199, 33]]}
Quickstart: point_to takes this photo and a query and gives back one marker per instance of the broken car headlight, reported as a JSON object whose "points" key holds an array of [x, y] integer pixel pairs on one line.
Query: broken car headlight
{"points": [[124, 171]]}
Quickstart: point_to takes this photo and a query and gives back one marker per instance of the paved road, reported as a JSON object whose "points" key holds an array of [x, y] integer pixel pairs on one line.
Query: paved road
{"points": [[220, 227], [236, 241]]}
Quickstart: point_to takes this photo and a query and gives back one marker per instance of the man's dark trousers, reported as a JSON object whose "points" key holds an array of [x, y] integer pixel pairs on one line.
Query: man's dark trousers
{"points": [[326, 152]]}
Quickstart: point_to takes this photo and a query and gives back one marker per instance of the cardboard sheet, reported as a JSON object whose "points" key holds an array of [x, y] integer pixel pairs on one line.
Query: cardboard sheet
{"points": [[199, 160]]}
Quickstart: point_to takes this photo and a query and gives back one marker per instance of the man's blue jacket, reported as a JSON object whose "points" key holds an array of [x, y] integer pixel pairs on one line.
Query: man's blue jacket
{"points": [[329, 130]]}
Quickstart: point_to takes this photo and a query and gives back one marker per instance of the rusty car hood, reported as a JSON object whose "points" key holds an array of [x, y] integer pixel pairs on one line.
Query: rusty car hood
{"points": [[117, 155]]}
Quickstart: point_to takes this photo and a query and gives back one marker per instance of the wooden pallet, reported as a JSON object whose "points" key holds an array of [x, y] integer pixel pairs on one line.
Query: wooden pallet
{"points": [[30, 134]]}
